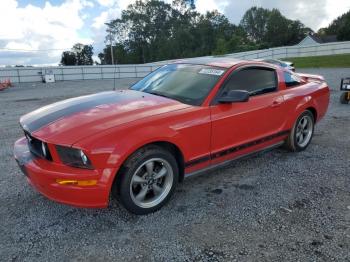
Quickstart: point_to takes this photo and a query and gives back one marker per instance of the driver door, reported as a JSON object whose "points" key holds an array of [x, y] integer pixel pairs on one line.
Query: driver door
{"points": [[242, 127]]}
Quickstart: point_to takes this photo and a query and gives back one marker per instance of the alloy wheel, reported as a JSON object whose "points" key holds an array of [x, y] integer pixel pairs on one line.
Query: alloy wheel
{"points": [[304, 131], [151, 182]]}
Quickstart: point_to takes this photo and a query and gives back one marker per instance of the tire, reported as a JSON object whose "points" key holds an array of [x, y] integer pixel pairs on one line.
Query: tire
{"points": [[147, 180], [344, 98], [302, 132]]}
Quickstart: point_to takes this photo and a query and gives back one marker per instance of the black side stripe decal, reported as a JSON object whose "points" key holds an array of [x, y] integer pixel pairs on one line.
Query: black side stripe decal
{"points": [[197, 161], [235, 149]]}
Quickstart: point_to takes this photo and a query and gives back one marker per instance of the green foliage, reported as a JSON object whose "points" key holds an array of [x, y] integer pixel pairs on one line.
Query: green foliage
{"points": [[254, 22], [339, 27], [330, 61], [80, 55], [153, 30], [270, 28], [119, 53], [344, 30], [68, 58]]}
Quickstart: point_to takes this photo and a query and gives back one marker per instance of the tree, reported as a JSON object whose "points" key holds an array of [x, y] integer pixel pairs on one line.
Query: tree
{"points": [[339, 27], [254, 22], [191, 4], [152, 30], [237, 42], [269, 28], [79, 55], [118, 52], [83, 54], [144, 29], [68, 58], [344, 31]]}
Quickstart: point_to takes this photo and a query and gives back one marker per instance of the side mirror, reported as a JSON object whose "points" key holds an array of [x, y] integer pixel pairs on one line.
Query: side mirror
{"points": [[235, 96]]}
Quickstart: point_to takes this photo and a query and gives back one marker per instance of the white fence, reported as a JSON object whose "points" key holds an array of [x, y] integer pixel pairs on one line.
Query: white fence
{"points": [[63, 73], [289, 51], [296, 51]]}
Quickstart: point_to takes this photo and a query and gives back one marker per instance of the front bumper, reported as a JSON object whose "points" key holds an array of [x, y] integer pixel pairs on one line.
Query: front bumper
{"points": [[43, 175]]}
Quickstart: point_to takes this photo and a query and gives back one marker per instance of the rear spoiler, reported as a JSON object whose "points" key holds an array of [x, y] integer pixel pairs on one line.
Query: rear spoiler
{"points": [[311, 78]]}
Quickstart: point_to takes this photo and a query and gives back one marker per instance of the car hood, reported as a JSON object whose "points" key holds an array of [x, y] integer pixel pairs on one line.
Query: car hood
{"points": [[68, 121]]}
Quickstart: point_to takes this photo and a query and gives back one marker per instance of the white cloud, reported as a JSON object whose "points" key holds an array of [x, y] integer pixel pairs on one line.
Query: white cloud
{"points": [[100, 20], [114, 11], [106, 2], [335, 9], [313, 13], [203, 6], [87, 3], [58, 26], [49, 27]]}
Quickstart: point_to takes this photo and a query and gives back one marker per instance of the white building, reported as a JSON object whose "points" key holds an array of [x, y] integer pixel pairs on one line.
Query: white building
{"points": [[317, 40]]}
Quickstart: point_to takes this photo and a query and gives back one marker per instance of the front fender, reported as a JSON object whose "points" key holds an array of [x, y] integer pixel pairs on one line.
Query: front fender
{"points": [[189, 130], [127, 144], [111, 148]]}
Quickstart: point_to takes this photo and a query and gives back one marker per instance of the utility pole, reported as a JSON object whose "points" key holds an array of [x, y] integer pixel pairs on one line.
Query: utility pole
{"points": [[111, 43]]}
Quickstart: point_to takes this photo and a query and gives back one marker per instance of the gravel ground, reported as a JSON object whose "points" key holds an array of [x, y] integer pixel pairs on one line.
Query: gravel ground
{"points": [[273, 206]]}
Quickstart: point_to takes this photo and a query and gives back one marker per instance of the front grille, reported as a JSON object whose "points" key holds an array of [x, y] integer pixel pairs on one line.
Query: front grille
{"points": [[35, 146]]}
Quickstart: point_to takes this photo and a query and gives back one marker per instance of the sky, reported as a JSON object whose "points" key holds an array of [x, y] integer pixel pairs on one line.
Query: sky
{"points": [[52, 26]]}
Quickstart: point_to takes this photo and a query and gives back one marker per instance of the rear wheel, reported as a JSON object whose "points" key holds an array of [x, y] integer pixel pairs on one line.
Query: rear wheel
{"points": [[302, 132], [149, 178]]}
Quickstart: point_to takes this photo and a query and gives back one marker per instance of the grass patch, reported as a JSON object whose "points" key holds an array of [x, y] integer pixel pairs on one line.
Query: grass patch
{"points": [[321, 61]]}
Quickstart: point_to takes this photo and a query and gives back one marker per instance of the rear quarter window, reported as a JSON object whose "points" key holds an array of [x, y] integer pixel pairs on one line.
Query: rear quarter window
{"points": [[291, 79]]}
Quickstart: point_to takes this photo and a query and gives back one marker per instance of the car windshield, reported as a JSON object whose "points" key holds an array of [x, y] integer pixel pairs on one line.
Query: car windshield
{"points": [[189, 84]]}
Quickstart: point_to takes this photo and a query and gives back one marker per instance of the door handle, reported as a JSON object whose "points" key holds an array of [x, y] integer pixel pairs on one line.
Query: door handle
{"points": [[276, 103]]}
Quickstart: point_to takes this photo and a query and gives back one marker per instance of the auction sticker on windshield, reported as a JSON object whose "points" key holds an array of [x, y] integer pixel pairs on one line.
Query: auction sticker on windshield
{"points": [[211, 71]]}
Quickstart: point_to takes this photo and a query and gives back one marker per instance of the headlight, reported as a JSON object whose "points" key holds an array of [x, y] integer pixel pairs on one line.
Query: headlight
{"points": [[43, 149], [73, 157], [84, 158]]}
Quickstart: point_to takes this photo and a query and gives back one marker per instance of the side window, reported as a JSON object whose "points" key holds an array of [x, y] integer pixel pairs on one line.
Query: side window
{"points": [[254, 80], [291, 79]]}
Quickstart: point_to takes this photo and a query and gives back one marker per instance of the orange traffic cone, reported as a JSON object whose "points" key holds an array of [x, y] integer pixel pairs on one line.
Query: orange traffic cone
{"points": [[2, 86], [8, 82]]}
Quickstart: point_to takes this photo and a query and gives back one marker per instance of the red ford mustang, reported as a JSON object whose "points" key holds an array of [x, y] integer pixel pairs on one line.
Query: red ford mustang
{"points": [[181, 119]]}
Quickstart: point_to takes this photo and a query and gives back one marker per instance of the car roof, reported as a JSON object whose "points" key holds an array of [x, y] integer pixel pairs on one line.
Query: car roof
{"points": [[219, 61]]}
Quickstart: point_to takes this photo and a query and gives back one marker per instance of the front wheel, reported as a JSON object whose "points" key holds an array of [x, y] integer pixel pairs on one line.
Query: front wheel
{"points": [[302, 132], [149, 178]]}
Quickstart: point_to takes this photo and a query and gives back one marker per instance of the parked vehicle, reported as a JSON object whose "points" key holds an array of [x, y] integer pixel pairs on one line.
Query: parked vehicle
{"points": [[345, 88], [181, 119], [285, 64]]}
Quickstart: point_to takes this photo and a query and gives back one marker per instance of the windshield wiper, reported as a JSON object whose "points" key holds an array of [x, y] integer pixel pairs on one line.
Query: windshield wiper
{"points": [[159, 94], [166, 96]]}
